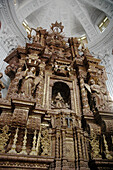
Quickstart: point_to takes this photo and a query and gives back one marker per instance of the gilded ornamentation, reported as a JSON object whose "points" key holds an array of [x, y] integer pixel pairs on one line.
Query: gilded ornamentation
{"points": [[13, 149], [13, 164], [107, 153], [38, 142], [94, 141], [33, 151], [45, 142], [24, 152], [4, 137]]}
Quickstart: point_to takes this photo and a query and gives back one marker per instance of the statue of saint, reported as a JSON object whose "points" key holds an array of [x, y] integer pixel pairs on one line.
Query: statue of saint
{"points": [[99, 94], [58, 101], [1, 85], [96, 93], [28, 85]]}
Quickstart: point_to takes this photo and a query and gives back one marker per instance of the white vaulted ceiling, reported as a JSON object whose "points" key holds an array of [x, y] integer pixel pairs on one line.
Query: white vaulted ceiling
{"points": [[79, 17]]}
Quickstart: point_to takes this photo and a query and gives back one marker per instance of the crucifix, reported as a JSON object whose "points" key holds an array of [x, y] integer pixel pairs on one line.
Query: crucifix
{"points": [[68, 121]]}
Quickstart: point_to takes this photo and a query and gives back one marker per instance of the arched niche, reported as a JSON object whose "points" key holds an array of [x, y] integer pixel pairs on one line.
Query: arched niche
{"points": [[61, 97]]}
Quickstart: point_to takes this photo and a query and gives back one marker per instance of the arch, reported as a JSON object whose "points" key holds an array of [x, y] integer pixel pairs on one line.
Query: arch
{"points": [[61, 95]]}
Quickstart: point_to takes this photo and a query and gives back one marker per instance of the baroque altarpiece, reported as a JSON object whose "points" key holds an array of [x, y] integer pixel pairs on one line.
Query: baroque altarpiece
{"points": [[57, 113]]}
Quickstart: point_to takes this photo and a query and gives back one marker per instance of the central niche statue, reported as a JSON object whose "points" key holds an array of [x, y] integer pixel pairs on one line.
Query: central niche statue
{"points": [[61, 96], [59, 102]]}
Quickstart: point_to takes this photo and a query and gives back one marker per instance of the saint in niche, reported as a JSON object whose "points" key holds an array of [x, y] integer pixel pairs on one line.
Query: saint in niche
{"points": [[59, 102], [61, 96]]}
